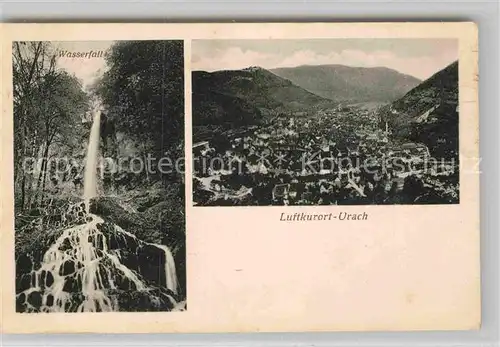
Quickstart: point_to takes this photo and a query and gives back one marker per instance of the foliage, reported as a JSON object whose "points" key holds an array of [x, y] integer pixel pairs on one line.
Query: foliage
{"points": [[49, 105], [143, 93], [143, 98], [439, 131], [233, 99]]}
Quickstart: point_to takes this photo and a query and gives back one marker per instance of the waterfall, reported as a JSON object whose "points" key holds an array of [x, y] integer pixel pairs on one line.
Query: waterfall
{"points": [[170, 275], [97, 266], [90, 186], [86, 264]]}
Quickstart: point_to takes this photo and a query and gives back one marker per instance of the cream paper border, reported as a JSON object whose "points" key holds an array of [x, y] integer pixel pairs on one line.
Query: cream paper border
{"points": [[407, 268]]}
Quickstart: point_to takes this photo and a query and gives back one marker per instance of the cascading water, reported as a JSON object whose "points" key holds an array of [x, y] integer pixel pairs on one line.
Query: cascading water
{"points": [[90, 186], [170, 275], [92, 267]]}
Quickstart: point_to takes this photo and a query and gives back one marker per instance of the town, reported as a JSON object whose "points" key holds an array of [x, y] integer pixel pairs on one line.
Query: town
{"points": [[345, 155]]}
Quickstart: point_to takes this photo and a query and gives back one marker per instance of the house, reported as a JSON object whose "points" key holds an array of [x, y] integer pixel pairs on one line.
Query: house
{"points": [[416, 149]]}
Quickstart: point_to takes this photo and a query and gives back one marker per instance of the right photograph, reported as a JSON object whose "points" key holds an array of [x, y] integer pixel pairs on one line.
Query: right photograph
{"points": [[325, 122]]}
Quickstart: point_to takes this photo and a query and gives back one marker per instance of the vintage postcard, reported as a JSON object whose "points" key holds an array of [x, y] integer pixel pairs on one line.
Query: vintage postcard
{"points": [[239, 177]]}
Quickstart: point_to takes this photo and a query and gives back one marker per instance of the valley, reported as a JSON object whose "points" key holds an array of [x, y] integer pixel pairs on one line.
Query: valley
{"points": [[322, 152]]}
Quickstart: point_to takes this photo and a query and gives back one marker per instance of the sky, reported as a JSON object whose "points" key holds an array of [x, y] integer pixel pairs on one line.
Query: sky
{"points": [[420, 58], [86, 69]]}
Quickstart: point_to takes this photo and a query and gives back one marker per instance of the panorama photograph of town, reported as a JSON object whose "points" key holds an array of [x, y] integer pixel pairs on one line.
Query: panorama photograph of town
{"points": [[325, 122]]}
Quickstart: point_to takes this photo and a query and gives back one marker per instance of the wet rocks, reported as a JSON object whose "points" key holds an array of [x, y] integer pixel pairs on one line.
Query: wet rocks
{"points": [[103, 279], [154, 300], [21, 302], [136, 223], [66, 245], [129, 259], [151, 261], [24, 263], [125, 284], [76, 299], [49, 300], [23, 282], [113, 242], [67, 268], [44, 278], [107, 244], [35, 299], [73, 284], [49, 279], [97, 240]]}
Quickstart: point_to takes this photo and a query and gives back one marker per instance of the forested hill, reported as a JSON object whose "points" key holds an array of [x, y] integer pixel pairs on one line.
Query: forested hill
{"points": [[244, 96], [350, 84], [440, 87], [429, 113]]}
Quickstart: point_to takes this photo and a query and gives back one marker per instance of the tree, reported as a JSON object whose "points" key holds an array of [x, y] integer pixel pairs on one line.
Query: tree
{"points": [[48, 107], [143, 94]]}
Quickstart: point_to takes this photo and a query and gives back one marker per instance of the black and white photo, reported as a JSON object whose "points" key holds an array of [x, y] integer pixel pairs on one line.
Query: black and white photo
{"points": [[325, 122], [99, 217]]}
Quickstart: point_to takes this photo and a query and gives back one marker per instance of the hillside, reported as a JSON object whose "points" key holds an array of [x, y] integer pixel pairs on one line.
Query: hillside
{"points": [[242, 97], [429, 113], [350, 84]]}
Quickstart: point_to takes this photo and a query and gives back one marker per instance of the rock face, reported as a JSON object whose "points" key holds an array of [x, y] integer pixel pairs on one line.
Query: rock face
{"points": [[160, 223], [34, 238], [109, 209], [99, 265], [144, 225]]}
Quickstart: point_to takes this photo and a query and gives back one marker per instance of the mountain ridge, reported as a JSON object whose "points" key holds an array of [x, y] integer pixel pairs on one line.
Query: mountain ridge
{"points": [[429, 113], [250, 94], [350, 84]]}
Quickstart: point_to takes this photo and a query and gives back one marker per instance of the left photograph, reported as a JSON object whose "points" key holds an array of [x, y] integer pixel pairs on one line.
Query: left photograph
{"points": [[99, 176]]}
